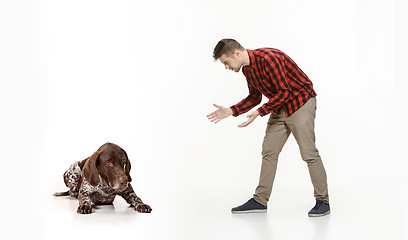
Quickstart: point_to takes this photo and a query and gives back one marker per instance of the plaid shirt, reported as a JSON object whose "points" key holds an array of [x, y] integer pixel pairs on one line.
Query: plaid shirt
{"points": [[273, 74]]}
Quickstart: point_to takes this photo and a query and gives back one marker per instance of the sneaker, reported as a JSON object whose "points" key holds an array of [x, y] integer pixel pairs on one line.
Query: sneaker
{"points": [[320, 209], [251, 206]]}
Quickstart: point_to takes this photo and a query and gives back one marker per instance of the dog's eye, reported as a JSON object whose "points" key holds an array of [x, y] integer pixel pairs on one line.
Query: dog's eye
{"points": [[110, 164]]}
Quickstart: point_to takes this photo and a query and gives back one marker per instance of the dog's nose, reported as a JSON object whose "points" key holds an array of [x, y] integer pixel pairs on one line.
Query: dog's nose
{"points": [[123, 181], [120, 182]]}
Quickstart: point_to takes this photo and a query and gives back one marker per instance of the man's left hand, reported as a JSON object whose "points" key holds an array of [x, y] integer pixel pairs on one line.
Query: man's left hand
{"points": [[251, 117]]}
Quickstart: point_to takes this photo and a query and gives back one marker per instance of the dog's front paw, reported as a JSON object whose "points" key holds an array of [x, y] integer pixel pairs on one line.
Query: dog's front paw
{"points": [[84, 209], [143, 208]]}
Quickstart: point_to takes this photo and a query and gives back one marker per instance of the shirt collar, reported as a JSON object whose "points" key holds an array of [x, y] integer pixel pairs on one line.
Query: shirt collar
{"points": [[251, 55]]}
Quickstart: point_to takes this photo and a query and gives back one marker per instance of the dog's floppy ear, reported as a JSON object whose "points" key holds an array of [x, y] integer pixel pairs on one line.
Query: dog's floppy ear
{"points": [[127, 168], [90, 170]]}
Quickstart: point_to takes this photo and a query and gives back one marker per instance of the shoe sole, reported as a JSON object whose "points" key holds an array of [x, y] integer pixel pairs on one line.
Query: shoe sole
{"points": [[319, 215], [250, 211]]}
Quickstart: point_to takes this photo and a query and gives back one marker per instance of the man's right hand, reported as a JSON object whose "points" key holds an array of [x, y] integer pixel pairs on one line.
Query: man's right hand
{"points": [[219, 114]]}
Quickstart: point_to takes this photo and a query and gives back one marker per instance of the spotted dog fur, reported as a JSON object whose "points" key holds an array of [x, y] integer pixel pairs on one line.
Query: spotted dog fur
{"points": [[72, 179], [101, 192], [104, 194]]}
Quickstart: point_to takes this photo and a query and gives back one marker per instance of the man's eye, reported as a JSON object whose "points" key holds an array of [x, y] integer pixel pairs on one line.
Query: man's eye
{"points": [[110, 164]]}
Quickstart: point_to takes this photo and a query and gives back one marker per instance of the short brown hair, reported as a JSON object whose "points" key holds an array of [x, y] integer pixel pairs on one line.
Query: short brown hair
{"points": [[226, 46]]}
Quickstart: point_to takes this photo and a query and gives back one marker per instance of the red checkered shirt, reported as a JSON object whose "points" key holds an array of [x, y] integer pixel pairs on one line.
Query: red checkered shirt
{"points": [[275, 75]]}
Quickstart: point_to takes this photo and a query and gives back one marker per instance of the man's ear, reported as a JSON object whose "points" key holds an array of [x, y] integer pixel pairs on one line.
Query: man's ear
{"points": [[237, 53]]}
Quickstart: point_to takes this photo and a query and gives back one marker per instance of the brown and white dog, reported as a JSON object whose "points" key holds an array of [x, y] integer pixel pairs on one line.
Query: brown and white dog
{"points": [[99, 178]]}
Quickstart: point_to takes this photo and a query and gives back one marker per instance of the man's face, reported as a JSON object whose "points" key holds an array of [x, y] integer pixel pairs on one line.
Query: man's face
{"points": [[231, 62]]}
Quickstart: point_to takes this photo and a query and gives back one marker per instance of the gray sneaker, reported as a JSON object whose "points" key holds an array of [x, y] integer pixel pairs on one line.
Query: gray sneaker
{"points": [[320, 209], [251, 206]]}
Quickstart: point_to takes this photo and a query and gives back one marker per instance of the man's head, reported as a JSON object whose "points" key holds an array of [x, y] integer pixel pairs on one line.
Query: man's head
{"points": [[231, 54]]}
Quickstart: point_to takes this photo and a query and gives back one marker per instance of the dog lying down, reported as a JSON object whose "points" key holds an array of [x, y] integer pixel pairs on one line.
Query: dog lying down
{"points": [[99, 178]]}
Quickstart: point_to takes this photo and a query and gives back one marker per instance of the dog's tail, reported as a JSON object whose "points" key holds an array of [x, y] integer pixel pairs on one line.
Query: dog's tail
{"points": [[59, 194]]}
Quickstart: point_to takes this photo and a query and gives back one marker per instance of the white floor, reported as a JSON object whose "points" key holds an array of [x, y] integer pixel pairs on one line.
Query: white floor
{"points": [[376, 212]]}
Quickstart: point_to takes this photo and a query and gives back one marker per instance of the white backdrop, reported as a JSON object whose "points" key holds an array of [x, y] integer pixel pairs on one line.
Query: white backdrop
{"points": [[77, 74]]}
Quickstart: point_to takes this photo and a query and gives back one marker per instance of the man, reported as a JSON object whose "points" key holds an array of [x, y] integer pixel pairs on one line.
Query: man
{"points": [[292, 107]]}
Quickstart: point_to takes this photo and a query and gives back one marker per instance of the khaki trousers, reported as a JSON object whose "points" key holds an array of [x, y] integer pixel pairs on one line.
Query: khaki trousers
{"points": [[301, 124]]}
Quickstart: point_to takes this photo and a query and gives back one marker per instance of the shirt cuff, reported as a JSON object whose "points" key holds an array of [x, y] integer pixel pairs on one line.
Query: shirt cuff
{"points": [[234, 111], [262, 111]]}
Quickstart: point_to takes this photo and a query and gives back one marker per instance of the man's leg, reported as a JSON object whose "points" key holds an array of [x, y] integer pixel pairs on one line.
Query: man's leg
{"points": [[277, 132], [301, 123]]}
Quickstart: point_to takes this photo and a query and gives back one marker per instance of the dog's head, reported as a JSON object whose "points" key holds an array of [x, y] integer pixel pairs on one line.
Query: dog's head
{"points": [[111, 163]]}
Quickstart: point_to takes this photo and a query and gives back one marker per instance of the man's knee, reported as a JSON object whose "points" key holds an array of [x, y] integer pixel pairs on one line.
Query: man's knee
{"points": [[270, 155], [310, 156]]}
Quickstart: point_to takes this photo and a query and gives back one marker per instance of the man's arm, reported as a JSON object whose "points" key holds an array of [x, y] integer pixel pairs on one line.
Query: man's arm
{"points": [[253, 99]]}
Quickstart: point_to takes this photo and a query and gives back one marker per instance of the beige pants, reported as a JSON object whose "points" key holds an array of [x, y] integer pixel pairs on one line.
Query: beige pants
{"points": [[301, 124]]}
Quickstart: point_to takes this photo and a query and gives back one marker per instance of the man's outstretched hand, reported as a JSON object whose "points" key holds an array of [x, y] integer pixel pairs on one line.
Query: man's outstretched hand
{"points": [[219, 114], [251, 117]]}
